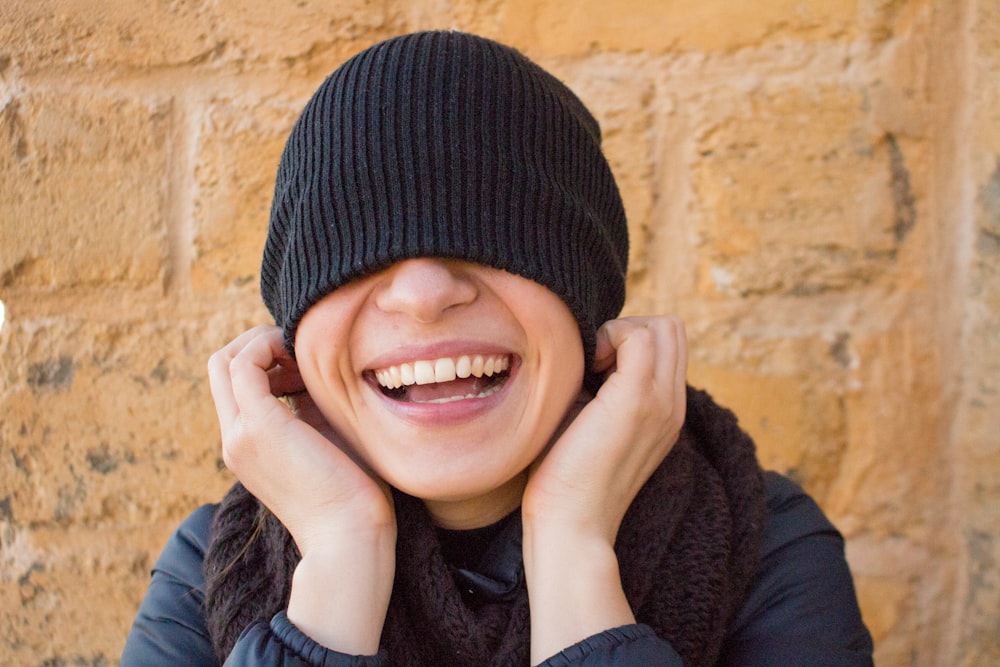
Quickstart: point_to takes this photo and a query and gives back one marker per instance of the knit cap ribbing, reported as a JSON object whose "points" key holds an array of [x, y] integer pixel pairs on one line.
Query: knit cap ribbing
{"points": [[444, 144]]}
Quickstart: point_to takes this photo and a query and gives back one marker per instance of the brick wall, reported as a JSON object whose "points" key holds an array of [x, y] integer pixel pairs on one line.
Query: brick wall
{"points": [[814, 186]]}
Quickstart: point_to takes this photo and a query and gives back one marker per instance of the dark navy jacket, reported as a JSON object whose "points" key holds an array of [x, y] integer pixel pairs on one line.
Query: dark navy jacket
{"points": [[801, 610]]}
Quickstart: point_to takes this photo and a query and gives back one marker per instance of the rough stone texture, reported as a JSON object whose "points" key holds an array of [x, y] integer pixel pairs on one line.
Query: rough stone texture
{"points": [[83, 34], [765, 229], [673, 25], [813, 186], [237, 155], [977, 424], [79, 172]]}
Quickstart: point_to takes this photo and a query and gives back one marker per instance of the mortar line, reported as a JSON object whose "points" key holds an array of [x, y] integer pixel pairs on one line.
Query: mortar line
{"points": [[179, 207], [959, 199]]}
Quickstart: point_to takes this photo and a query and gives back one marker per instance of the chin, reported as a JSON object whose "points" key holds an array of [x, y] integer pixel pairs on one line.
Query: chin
{"points": [[447, 486]]}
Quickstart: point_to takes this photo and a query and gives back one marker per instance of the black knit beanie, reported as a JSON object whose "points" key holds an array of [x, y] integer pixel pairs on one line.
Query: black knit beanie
{"points": [[444, 144]]}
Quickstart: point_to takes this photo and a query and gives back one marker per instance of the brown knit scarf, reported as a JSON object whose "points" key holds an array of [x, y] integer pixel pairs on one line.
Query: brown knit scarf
{"points": [[687, 550]]}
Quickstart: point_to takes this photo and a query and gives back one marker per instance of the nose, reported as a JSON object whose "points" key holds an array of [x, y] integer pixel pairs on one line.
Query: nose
{"points": [[425, 288]]}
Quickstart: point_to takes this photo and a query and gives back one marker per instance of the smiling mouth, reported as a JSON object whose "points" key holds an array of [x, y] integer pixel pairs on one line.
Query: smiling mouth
{"points": [[446, 379]]}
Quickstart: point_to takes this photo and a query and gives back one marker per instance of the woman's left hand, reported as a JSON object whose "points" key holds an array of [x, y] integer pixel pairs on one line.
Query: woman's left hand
{"points": [[578, 492], [610, 445]]}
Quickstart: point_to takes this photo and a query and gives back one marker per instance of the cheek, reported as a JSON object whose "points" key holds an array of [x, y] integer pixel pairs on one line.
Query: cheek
{"points": [[550, 324], [559, 349], [323, 353], [323, 343], [321, 371]]}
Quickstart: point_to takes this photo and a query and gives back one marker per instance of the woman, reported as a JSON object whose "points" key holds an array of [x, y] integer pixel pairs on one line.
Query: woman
{"points": [[449, 450]]}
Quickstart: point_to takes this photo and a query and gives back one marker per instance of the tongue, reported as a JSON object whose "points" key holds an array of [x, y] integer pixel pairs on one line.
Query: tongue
{"points": [[421, 393]]}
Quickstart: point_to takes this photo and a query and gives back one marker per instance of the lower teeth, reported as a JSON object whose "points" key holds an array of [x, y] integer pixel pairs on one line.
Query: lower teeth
{"points": [[493, 385], [489, 391]]}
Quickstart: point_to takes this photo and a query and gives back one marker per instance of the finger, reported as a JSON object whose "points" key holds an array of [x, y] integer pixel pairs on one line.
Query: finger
{"points": [[680, 371], [635, 345], [253, 368], [672, 371], [668, 354], [220, 380], [651, 366], [609, 338], [284, 377], [670, 363], [604, 351], [667, 359]]}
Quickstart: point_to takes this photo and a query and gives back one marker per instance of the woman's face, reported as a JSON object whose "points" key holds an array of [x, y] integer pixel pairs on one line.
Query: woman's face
{"points": [[447, 378]]}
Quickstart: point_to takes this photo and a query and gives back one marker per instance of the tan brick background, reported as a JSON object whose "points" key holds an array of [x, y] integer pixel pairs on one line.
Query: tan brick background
{"points": [[814, 185]]}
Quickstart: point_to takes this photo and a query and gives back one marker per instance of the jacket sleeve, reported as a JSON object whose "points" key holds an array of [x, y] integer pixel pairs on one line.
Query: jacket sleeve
{"points": [[627, 645], [170, 627], [281, 643], [802, 608]]}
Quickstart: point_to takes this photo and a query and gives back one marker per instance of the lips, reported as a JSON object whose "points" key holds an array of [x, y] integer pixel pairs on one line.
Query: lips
{"points": [[444, 379]]}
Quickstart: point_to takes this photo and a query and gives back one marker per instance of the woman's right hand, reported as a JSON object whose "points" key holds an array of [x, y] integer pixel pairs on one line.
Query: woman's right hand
{"points": [[340, 516]]}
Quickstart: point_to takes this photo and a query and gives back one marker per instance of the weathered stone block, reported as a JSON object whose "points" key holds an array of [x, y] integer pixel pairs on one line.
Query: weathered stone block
{"points": [[132, 33], [895, 423], [796, 197], [482, 17], [53, 609], [883, 20], [882, 602], [787, 393], [622, 102], [673, 25], [107, 422], [83, 178], [237, 158]]}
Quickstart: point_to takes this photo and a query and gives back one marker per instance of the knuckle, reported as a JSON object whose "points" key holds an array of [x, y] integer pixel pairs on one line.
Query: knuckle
{"points": [[218, 359], [239, 363], [644, 336], [230, 454], [677, 324], [227, 457], [236, 451]]}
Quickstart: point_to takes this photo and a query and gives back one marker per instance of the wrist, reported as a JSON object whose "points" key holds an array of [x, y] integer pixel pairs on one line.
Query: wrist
{"points": [[340, 593], [574, 588], [329, 535], [576, 563]]}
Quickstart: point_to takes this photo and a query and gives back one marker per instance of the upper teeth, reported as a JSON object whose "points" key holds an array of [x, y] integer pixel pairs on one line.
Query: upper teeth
{"points": [[444, 369]]}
